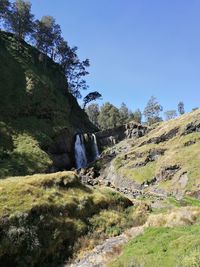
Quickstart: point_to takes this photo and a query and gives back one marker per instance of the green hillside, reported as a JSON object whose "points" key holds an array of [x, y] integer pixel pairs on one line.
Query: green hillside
{"points": [[42, 216], [166, 160], [35, 107]]}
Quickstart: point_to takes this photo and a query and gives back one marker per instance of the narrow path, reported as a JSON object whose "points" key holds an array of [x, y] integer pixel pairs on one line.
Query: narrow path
{"points": [[111, 247]]}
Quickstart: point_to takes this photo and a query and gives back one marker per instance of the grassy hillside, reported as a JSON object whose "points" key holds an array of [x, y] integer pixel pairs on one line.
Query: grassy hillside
{"points": [[42, 217], [166, 159], [167, 247], [35, 107]]}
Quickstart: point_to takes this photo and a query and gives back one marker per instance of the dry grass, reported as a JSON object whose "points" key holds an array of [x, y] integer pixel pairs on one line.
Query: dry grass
{"points": [[178, 217], [176, 152]]}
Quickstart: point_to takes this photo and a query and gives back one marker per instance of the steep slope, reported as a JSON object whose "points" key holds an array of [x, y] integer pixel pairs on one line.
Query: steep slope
{"points": [[164, 161], [38, 116], [42, 216]]}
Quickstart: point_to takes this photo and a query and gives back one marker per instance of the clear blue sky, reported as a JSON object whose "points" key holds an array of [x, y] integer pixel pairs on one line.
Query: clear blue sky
{"points": [[137, 48]]}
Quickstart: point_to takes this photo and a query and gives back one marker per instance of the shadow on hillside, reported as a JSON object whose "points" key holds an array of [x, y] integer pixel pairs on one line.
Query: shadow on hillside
{"points": [[19, 164]]}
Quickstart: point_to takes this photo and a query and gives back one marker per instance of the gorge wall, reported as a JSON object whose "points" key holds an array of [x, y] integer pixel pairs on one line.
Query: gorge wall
{"points": [[38, 116], [113, 136]]}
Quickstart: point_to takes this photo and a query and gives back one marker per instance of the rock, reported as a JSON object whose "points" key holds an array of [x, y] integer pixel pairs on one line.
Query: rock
{"points": [[191, 127], [189, 143], [167, 173], [63, 143], [107, 183], [195, 194], [113, 136], [62, 161], [162, 138], [153, 155]]}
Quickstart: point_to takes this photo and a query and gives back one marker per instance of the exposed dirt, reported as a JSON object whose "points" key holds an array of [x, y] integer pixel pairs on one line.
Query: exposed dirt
{"points": [[107, 251]]}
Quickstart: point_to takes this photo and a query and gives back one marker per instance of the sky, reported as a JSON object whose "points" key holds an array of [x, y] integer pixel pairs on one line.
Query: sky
{"points": [[137, 48]]}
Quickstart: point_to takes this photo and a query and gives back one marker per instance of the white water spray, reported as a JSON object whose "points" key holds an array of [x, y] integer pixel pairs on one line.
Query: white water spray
{"points": [[80, 153], [95, 147]]}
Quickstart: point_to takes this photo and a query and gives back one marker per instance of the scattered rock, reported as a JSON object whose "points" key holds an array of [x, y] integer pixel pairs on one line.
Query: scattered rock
{"points": [[153, 155], [189, 143], [167, 173], [195, 194], [191, 127], [162, 138], [148, 183], [89, 176]]}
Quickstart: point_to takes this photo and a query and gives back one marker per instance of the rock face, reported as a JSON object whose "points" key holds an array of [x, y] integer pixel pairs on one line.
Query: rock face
{"points": [[192, 127], [62, 150], [113, 136], [38, 116], [164, 161]]}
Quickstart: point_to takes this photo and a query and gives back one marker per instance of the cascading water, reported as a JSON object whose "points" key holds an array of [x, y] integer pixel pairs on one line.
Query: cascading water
{"points": [[80, 153], [95, 147], [86, 149]]}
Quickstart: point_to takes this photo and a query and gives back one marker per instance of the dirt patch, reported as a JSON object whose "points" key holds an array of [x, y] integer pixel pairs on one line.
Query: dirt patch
{"points": [[105, 252]]}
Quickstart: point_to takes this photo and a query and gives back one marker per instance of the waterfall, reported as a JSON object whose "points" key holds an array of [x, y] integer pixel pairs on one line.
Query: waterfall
{"points": [[86, 149], [95, 147], [80, 153]]}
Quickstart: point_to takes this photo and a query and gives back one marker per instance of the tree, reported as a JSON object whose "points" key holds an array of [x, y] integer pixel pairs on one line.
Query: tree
{"points": [[64, 54], [152, 111], [19, 19], [75, 71], [93, 112], [170, 114], [124, 113], [74, 68], [181, 108], [136, 115], [109, 116], [4, 7], [48, 36], [196, 108], [91, 97]]}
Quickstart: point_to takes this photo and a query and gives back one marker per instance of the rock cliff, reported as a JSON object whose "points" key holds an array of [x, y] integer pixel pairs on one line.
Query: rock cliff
{"points": [[38, 116], [165, 161]]}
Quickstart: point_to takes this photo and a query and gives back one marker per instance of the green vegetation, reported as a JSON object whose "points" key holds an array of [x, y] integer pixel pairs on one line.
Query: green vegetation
{"points": [[141, 174], [34, 108], [169, 152], [152, 111], [48, 218], [167, 247], [42, 217], [16, 17], [109, 116]]}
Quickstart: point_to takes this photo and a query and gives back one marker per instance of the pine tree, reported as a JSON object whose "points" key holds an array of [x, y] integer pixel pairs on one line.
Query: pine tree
{"points": [[124, 113], [4, 8], [93, 112], [181, 108], [109, 116], [19, 19], [152, 111], [136, 115]]}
